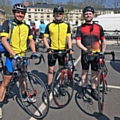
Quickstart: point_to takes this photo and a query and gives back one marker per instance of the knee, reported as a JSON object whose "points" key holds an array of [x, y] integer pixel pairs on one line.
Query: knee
{"points": [[50, 71]]}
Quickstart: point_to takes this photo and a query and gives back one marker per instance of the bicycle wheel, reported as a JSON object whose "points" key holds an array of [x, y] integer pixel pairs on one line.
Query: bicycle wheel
{"points": [[33, 102], [101, 91], [40, 47], [63, 79]]}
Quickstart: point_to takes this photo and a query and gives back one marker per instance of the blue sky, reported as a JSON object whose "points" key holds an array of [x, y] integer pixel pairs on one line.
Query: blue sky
{"points": [[18, 1]]}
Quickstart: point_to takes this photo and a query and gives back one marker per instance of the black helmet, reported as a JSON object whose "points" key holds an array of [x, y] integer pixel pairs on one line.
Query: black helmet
{"points": [[58, 9], [88, 8], [19, 7]]}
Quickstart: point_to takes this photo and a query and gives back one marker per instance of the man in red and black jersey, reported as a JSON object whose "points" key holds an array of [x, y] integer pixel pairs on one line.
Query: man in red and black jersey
{"points": [[88, 38]]}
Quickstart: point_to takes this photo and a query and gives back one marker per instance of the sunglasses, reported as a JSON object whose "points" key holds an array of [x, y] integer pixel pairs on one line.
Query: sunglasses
{"points": [[59, 13], [20, 12]]}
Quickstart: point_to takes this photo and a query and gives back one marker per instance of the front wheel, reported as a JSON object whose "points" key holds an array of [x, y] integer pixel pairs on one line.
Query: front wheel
{"points": [[62, 87], [101, 91], [31, 91]]}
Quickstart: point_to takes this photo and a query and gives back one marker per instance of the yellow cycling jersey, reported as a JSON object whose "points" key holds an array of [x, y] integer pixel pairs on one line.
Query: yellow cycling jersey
{"points": [[57, 32], [19, 36]]}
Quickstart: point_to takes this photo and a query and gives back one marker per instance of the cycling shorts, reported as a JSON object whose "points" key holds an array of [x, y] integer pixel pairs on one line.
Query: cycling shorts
{"points": [[10, 65], [93, 62], [52, 62]]}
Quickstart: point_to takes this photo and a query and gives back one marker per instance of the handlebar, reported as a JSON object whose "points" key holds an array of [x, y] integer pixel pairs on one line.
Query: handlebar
{"points": [[106, 53], [27, 58], [40, 58], [61, 53]]}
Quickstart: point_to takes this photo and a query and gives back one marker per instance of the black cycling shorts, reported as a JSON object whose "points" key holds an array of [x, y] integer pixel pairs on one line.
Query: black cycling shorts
{"points": [[86, 63], [41, 35], [52, 62]]}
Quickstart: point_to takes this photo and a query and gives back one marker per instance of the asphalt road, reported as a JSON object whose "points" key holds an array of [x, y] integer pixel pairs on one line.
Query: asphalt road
{"points": [[76, 109]]}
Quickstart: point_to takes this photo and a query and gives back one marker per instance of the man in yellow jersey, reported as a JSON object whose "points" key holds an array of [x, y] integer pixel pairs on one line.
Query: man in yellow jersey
{"points": [[59, 34], [87, 38], [18, 44]]}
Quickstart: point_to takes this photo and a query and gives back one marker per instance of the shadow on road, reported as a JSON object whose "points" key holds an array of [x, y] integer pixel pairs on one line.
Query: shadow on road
{"points": [[116, 118], [115, 65], [89, 107]]}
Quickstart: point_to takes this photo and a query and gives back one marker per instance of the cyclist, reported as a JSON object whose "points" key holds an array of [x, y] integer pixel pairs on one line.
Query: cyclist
{"points": [[57, 31], [17, 45], [42, 27], [87, 39]]}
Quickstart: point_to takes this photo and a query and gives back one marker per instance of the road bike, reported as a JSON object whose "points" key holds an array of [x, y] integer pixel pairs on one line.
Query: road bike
{"points": [[102, 81], [31, 89], [63, 79]]}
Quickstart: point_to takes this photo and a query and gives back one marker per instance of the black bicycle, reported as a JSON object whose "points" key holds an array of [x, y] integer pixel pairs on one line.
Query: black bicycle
{"points": [[31, 89], [63, 79]]}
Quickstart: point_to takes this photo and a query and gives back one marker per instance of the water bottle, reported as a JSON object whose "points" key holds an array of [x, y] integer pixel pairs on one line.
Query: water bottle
{"points": [[69, 64]]}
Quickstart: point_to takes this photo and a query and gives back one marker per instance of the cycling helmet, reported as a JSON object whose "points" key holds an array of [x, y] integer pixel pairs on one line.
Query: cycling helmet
{"points": [[88, 8], [42, 21], [32, 22], [58, 9], [19, 7]]}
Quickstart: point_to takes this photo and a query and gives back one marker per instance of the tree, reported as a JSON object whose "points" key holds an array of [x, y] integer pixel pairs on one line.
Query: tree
{"points": [[6, 5], [115, 4]]}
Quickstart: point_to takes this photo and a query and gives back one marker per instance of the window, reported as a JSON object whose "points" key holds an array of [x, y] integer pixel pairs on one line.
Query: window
{"points": [[29, 16], [35, 19], [29, 9], [42, 16], [29, 19], [38, 9], [41, 10], [48, 16], [35, 9]]}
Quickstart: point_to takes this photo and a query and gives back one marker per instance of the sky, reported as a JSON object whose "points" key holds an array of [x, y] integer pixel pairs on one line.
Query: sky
{"points": [[18, 1]]}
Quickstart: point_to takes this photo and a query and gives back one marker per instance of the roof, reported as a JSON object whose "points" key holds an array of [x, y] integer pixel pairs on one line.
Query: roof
{"points": [[46, 5]]}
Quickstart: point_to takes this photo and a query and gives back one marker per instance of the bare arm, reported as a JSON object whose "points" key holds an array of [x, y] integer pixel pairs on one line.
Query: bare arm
{"points": [[7, 46], [32, 45], [69, 41], [103, 45], [46, 42], [80, 45]]}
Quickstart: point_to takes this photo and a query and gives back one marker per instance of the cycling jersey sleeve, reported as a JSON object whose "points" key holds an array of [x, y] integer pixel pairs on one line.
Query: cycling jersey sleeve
{"points": [[5, 29], [78, 34], [46, 34], [30, 35], [102, 36]]}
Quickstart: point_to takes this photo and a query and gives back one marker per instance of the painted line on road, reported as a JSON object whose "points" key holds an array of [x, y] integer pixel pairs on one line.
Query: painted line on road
{"points": [[112, 86]]}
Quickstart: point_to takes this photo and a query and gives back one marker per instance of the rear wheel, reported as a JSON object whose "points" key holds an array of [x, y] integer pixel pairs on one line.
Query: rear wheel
{"points": [[101, 91], [62, 82], [32, 101]]}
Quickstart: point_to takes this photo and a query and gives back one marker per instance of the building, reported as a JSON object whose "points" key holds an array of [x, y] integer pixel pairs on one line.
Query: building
{"points": [[73, 15], [2, 16]]}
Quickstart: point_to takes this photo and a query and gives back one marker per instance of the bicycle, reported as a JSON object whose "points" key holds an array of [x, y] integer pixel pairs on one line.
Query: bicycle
{"points": [[34, 88], [63, 79], [40, 47], [102, 82]]}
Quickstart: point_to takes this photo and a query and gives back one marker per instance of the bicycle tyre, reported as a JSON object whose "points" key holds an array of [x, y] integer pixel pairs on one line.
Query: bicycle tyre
{"points": [[67, 84], [33, 109], [101, 91]]}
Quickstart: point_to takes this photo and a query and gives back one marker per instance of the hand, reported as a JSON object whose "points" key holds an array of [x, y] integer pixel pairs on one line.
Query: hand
{"points": [[71, 51], [16, 57], [34, 55], [88, 52], [102, 54]]}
